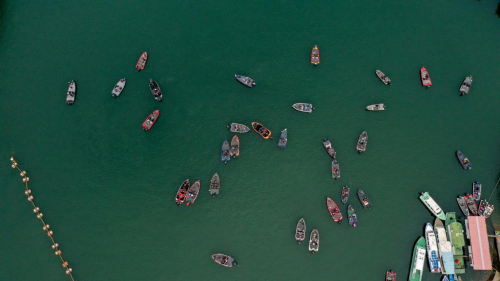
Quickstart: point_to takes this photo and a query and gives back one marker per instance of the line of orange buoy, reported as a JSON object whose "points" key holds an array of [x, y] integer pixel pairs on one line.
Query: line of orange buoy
{"points": [[39, 216]]}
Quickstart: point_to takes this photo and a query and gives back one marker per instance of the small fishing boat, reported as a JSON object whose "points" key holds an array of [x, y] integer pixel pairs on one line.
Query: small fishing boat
{"points": [[488, 210], [314, 241], [329, 149], [71, 93], [192, 193], [117, 90], [335, 169], [155, 90], [481, 208], [465, 87], [376, 107], [365, 202], [303, 107], [476, 190], [225, 153], [464, 161], [238, 128], [224, 260], [351, 214], [383, 77], [247, 81], [300, 231], [315, 55], [432, 205], [215, 185], [463, 205], [334, 210], [261, 130], [181, 193], [469, 199], [151, 120], [283, 139], [141, 63], [345, 194], [235, 147], [362, 142], [417, 261], [426, 79], [432, 249], [390, 276]]}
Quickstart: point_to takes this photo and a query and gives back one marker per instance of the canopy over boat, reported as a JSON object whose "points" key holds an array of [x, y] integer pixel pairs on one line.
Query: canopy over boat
{"points": [[329, 149], [300, 231], [238, 128], [334, 210], [314, 241], [225, 152], [181, 193], [425, 77], [465, 87], [382, 77], [247, 81], [224, 260], [71, 93], [283, 139], [117, 90], [215, 185], [315, 55], [141, 63], [235, 147], [261, 130], [303, 107], [193, 192], [151, 120], [362, 142]]}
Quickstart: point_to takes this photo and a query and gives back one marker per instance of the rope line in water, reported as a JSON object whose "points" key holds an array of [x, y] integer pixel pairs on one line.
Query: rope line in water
{"points": [[39, 215]]}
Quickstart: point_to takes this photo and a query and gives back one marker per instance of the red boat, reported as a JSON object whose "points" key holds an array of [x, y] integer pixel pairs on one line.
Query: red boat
{"points": [[390, 276], [151, 120], [334, 210], [141, 63], [181, 194], [426, 78], [315, 55]]}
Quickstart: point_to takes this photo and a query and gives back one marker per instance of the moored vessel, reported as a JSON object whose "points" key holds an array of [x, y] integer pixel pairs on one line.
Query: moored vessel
{"points": [[315, 55], [71, 93], [335, 169], [225, 152], [471, 204], [329, 148], [151, 120], [300, 231], [376, 107], [334, 210], [247, 81], [456, 236], [488, 210], [476, 190], [261, 130], [432, 249], [425, 77], [351, 214], [383, 77], [192, 193], [466, 84], [432, 205], [417, 260], [345, 194], [363, 199], [141, 63], [390, 276], [155, 90], [283, 139], [303, 107], [463, 205], [464, 161], [238, 128], [314, 241], [181, 193], [118, 88], [235, 147], [362, 142], [481, 207], [214, 185], [224, 260], [445, 248]]}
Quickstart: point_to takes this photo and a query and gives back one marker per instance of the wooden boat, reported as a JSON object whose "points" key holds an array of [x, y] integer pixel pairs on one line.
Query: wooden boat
{"points": [[471, 204], [390, 276], [376, 107], [224, 260], [225, 152], [117, 90], [345, 194], [476, 190], [463, 205], [192, 193], [335, 169], [300, 231], [238, 128], [363, 199], [315, 55], [465, 87], [314, 241], [181, 193], [351, 214], [141, 63], [247, 81], [235, 147], [425, 77], [327, 144], [261, 130], [362, 142], [334, 210], [283, 139], [383, 77], [303, 107], [155, 90], [151, 120], [71, 93], [464, 161], [215, 185]]}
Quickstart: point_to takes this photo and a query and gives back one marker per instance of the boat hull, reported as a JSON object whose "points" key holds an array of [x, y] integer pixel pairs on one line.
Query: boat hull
{"points": [[225, 152], [151, 120], [235, 147], [141, 63], [334, 210], [300, 231], [182, 192], [261, 130], [466, 84], [193, 192], [425, 77], [71, 93], [315, 57], [383, 77], [314, 241], [117, 90], [362, 142], [283, 139], [224, 260], [238, 128], [363, 199], [215, 185]]}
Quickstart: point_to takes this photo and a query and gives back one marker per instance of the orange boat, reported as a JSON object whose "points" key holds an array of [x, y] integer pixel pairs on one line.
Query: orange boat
{"points": [[426, 78], [315, 55], [141, 63], [151, 120], [261, 130]]}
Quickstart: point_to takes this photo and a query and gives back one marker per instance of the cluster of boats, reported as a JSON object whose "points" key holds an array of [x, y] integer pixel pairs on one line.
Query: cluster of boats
{"points": [[468, 203], [188, 193]]}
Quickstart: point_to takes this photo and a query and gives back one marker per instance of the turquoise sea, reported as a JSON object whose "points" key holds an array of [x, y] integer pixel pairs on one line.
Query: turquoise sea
{"points": [[107, 188]]}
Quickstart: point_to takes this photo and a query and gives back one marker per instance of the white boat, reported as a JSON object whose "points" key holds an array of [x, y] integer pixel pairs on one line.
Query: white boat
{"points": [[71, 93], [303, 107], [314, 241], [432, 249], [445, 248], [432, 205], [117, 90], [376, 107]]}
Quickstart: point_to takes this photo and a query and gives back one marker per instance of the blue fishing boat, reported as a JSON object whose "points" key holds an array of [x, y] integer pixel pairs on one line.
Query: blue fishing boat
{"points": [[225, 153]]}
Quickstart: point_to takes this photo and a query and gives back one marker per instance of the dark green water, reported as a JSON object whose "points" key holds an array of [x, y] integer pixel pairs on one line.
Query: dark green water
{"points": [[107, 188]]}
